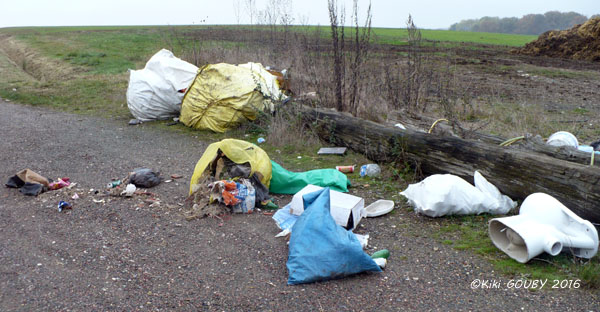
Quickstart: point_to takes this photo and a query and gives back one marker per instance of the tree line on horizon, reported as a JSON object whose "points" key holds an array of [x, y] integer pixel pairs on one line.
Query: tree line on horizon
{"points": [[530, 24]]}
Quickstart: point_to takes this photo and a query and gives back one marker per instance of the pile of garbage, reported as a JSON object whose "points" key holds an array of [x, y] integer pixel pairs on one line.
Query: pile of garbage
{"points": [[581, 42], [217, 97]]}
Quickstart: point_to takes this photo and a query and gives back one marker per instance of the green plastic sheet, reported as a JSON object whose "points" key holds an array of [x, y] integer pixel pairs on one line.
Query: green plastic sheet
{"points": [[287, 182]]}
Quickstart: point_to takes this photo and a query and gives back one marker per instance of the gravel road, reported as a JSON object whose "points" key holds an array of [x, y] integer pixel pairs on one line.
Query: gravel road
{"points": [[126, 255]]}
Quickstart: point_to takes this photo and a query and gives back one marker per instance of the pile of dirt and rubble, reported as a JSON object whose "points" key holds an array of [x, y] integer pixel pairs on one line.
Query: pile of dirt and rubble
{"points": [[582, 42]]}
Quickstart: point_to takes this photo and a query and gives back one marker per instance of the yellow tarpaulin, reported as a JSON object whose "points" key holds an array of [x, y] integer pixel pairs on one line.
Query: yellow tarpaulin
{"points": [[223, 95], [237, 151]]}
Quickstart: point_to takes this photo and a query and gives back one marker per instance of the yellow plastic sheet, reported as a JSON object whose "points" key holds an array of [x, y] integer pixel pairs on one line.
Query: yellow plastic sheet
{"points": [[237, 151], [223, 96]]}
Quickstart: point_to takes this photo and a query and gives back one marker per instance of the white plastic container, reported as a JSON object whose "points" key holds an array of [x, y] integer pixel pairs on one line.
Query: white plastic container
{"points": [[563, 138]]}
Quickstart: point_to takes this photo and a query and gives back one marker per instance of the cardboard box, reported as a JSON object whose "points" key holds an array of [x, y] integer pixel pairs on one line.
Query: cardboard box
{"points": [[346, 209]]}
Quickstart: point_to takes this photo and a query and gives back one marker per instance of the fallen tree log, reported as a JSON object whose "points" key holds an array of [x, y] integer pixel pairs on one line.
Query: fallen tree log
{"points": [[530, 142], [516, 172]]}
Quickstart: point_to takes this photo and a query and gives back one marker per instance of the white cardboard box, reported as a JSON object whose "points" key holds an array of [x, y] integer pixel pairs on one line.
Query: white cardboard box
{"points": [[342, 206]]}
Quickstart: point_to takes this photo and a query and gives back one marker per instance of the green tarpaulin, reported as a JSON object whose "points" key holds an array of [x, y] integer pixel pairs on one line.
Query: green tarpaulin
{"points": [[287, 182]]}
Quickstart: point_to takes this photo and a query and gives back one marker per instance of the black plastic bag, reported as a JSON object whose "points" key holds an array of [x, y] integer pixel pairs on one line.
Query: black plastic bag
{"points": [[144, 177]]}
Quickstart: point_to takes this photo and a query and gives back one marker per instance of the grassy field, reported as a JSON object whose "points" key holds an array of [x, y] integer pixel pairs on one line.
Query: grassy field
{"points": [[102, 56], [398, 36], [96, 60]]}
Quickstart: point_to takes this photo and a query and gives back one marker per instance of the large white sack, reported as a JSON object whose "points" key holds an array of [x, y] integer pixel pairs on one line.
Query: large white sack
{"points": [[153, 91], [446, 194]]}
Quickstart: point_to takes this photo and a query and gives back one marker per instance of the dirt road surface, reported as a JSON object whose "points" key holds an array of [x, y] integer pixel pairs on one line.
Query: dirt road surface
{"points": [[125, 255]]}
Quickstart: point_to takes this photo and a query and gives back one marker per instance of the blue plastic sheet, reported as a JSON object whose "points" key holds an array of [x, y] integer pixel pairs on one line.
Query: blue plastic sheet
{"points": [[320, 249], [284, 218]]}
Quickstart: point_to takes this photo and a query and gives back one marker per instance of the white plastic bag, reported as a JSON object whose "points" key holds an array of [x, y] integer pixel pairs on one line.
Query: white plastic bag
{"points": [[153, 92], [446, 194]]}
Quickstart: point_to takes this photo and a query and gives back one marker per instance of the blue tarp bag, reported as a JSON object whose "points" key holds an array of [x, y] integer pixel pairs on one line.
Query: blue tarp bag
{"points": [[320, 249]]}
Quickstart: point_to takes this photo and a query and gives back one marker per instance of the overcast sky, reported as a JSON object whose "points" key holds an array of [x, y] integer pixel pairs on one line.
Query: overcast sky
{"points": [[431, 14]]}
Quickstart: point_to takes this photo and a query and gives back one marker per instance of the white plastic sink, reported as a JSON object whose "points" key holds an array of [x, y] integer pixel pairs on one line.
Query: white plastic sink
{"points": [[379, 208]]}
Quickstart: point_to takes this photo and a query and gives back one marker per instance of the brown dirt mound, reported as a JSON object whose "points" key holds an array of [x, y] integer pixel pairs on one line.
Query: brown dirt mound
{"points": [[582, 42]]}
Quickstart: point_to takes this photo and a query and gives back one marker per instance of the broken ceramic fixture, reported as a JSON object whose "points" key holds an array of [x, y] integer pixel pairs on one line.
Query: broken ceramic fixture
{"points": [[543, 225]]}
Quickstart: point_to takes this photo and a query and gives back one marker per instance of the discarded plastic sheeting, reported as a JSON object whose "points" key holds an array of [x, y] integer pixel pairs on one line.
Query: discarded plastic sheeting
{"points": [[320, 249], [224, 95], [287, 182], [543, 225], [237, 151], [156, 91], [284, 218], [446, 194]]}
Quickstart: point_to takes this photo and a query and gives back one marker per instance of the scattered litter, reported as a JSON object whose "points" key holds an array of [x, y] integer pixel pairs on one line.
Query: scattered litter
{"points": [[114, 183], [176, 176], [381, 262], [98, 200], [543, 225], [446, 194], [345, 169], [135, 121], [144, 177], [401, 126], [363, 239], [269, 205], [384, 253], [260, 140], [129, 190], [379, 208], [168, 181], [62, 182], [75, 196], [62, 205], [332, 151], [320, 249], [371, 170], [284, 233]]}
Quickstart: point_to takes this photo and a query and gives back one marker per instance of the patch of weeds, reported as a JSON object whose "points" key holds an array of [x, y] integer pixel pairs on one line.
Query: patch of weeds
{"points": [[580, 111], [84, 58], [589, 272]]}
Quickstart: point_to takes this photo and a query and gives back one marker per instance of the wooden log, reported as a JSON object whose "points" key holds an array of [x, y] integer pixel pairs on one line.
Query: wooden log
{"points": [[516, 172], [531, 143]]}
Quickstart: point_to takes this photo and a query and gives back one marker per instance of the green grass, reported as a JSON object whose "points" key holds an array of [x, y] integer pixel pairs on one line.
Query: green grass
{"points": [[110, 51], [398, 36]]}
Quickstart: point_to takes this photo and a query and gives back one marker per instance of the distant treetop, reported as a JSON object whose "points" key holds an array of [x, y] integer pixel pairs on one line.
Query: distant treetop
{"points": [[530, 24]]}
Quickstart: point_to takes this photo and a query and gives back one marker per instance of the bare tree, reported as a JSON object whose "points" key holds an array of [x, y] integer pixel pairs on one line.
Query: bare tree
{"points": [[336, 19], [236, 10], [361, 40], [250, 6]]}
